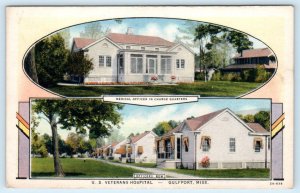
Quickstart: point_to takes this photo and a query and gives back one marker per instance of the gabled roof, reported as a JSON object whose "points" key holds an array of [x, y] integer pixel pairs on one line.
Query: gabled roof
{"points": [[197, 122], [181, 44], [260, 52], [138, 39], [257, 127], [134, 139], [83, 42]]}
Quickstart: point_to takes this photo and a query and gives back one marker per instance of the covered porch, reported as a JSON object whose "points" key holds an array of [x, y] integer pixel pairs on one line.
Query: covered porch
{"points": [[169, 147], [146, 66]]}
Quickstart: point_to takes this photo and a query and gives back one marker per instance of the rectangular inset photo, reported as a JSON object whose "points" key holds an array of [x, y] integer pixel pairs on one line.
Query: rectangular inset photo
{"points": [[208, 139]]}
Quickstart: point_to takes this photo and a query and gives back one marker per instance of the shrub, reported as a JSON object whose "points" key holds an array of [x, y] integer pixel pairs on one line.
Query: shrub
{"points": [[199, 76], [217, 76], [262, 75], [228, 76], [205, 162]]}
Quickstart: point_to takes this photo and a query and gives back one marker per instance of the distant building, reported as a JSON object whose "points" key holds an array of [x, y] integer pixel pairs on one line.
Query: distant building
{"points": [[251, 59]]}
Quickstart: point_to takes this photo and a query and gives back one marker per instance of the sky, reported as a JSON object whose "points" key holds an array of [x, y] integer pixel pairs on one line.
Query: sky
{"points": [[164, 28], [141, 118]]}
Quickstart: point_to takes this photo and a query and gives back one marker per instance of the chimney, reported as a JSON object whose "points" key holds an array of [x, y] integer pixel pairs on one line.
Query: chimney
{"points": [[129, 31]]}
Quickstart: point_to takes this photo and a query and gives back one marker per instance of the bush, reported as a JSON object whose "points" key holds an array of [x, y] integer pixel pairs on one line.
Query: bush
{"points": [[199, 76], [262, 75], [228, 76], [111, 158], [205, 162], [217, 76]]}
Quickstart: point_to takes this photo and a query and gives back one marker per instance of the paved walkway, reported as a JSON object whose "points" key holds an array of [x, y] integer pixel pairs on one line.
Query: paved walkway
{"points": [[169, 174]]}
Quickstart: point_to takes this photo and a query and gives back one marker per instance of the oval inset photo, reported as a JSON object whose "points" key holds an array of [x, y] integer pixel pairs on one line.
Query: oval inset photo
{"points": [[139, 56]]}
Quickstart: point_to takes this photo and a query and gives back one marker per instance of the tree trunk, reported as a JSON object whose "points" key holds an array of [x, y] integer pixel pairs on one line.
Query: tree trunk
{"points": [[200, 59], [57, 165], [33, 66]]}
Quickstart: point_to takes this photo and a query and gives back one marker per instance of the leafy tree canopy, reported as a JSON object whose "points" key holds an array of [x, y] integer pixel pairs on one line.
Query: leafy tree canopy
{"points": [[164, 127], [96, 116], [50, 57]]}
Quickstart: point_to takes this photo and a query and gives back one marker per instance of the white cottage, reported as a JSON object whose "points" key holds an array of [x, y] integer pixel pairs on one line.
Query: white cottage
{"points": [[139, 148], [222, 137], [136, 59]]}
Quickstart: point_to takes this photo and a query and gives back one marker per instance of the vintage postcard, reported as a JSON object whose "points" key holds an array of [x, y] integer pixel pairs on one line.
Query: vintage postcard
{"points": [[150, 96]]}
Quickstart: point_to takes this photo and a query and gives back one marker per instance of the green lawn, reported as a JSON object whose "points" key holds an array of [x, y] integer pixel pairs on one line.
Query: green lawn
{"points": [[225, 173], [145, 165], [211, 88], [42, 167]]}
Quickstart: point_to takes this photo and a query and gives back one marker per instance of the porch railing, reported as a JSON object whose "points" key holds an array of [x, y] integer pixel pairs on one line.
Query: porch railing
{"points": [[165, 155]]}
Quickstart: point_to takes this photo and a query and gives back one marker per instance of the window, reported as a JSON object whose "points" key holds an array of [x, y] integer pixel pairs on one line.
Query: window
{"points": [[180, 63], [104, 61], [101, 61], [156, 49], [257, 146], [142, 48], [165, 67], [136, 64], [269, 142], [108, 61], [231, 144], [205, 143], [177, 63], [127, 47]]}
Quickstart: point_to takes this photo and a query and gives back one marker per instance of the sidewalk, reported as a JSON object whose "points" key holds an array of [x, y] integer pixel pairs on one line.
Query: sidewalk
{"points": [[153, 170]]}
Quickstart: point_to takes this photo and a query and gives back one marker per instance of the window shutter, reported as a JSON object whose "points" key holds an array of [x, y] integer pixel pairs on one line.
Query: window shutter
{"points": [[140, 150], [172, 139]]}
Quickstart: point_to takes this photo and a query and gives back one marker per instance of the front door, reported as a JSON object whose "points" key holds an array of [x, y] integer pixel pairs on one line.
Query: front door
{"points": [[151, 66]]}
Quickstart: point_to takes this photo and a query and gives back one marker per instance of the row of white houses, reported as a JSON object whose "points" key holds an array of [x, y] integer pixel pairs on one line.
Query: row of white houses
{"points": [[221, 136]]}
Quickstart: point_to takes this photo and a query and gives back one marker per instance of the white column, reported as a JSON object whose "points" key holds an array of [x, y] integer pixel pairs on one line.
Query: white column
{"points": [[158, 64]]}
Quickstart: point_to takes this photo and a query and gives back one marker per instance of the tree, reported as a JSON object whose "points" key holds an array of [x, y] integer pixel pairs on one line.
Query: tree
{"points": [[247, 118], [50, 58], [73, 140], [65, 34], [216, 43], [263, 118], [173, 123], [30, 65], [92, 30], [82, 115], [162, 128], [115, 136], [79, 65], [204, 33], [239, 40]]}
